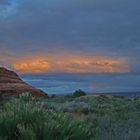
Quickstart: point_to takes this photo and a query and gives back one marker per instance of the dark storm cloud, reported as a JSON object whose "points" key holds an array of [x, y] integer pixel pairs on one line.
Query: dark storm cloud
{"points": [[92, 26]]}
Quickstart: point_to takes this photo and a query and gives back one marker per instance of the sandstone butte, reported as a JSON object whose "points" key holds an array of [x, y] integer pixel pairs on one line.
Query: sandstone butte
{"points": [[12, 85]]}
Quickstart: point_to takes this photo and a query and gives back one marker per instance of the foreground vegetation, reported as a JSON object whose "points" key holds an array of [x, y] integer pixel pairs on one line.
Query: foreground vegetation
{"points": [[71, 118]]}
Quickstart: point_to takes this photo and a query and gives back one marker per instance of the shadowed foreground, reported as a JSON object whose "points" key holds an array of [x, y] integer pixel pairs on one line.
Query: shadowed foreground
{"points": [[70, 118]]}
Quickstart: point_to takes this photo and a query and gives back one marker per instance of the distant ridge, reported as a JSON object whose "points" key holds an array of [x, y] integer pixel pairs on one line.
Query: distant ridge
{"points": [[12, 85], [129, 93]]}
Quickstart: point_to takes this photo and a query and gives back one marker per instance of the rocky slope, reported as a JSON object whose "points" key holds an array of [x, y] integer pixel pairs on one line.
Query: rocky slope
{"points": [[11, 84]]}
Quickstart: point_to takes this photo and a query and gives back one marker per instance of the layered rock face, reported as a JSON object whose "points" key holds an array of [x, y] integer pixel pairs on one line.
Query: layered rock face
{"points": [[11, 84]]}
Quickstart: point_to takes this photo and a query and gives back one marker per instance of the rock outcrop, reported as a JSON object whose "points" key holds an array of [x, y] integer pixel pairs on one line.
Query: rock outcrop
{"points": [[12, 85]]}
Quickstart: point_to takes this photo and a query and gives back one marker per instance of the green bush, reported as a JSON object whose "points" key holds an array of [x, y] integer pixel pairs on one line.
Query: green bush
{"points": [[25, 119]]}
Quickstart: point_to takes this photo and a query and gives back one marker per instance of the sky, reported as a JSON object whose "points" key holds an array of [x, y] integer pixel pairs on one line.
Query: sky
{"points": [[70, 36]]}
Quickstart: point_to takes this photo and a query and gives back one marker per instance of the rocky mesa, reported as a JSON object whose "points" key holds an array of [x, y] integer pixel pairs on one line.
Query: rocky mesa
{"points": [[12, 85]]}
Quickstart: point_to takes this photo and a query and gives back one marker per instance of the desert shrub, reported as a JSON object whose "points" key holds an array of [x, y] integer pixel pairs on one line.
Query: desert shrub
{"points": [[74, 106], [63, 127], [68, 106], [120, 130], [26, 133], [24, 111], [52, 106], [25, 119], [115, 118]]}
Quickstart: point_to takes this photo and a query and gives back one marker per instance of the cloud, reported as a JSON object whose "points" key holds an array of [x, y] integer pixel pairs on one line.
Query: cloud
{"points": [[72, 64], [35, 27], [32, 66]]}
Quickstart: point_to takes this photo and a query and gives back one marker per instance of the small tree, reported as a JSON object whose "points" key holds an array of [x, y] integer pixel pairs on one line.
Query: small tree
{"points": [[79, 93]]}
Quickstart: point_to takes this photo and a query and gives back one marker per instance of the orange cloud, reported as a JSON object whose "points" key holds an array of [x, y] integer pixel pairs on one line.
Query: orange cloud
{"points": [[37, 65], [73, 64]]}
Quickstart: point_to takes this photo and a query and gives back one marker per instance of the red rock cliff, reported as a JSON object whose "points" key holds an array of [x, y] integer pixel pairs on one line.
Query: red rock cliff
{"points": [[11, 84]]}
